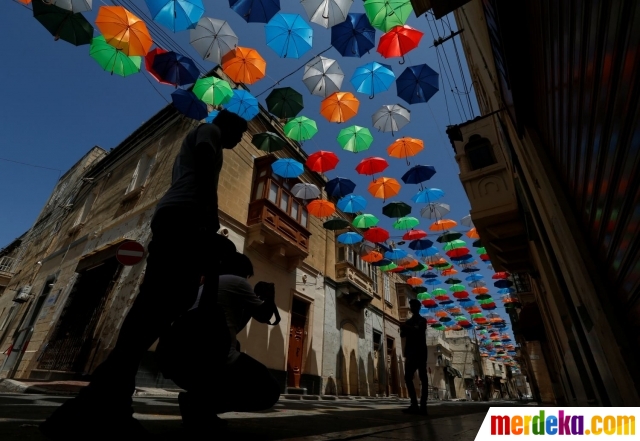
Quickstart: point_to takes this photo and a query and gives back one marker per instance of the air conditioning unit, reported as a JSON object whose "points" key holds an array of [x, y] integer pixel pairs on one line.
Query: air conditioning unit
{"points": [[24, 293]]}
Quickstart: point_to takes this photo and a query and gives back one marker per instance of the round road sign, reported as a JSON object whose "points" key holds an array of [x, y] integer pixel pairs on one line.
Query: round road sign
{"points": [[130, 253]]}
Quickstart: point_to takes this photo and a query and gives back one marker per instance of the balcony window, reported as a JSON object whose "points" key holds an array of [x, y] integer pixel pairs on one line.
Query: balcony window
{"points": [[479, 152], [347, 254], [387, 288]]}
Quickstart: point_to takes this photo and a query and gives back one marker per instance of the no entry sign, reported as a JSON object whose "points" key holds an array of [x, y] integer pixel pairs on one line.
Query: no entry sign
{"points": [[130, 253]]}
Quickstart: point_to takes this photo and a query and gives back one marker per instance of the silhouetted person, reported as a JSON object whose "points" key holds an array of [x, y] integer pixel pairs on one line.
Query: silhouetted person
{"points": [[415, 351], [184, 246]]}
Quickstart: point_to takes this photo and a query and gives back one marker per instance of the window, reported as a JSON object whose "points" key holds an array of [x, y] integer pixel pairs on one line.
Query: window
{"points": [[377, 338], [387, 288], [390, 345], [273, 192], [140, 175], [479, 152], [374, 277], [402, 301], [86, 208], [6, 317], [494, 367]]}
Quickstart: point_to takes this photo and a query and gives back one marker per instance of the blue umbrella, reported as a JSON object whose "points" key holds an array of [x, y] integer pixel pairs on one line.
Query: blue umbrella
{"points": [[503, 283], [429, 275], [287, 168], [431, 251], [255, 11], [395, 254], [175, 68], [289, 35], [418, 174], [474, 277], [211, 116], [372, 78], [188, 104], [417, 84], [427, 195], [352, 203], [177, 15], [349, 238], [420, 244], [339, 187], [467, 258], [244, 104], [432, 282], [353, 37], [506, 290], [382, 262], [470, 270]]}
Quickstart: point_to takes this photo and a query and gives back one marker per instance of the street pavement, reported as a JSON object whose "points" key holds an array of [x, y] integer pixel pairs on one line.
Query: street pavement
{"points": [[366, 419]]}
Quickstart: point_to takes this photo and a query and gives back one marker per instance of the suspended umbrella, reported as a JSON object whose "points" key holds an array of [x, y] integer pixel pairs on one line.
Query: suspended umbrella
{"points": [[327, 13], [396, 209], [211, 116], [372, 257], [305, 191], [176, 69], [416, 174], [420, 289], [449, 271], [408, 261], [188, 104], [503, 283], [289, 35], [506, 291], [480, 290], [353, 37], [417, 268], [372, 78], [427, 195], [406, 223], [352, 203], [284, 102], [255, 11], [414, 281], [405, 147], [481, 250], [323, 76], [382, 262], [63, 24], [349, 238], [243, 104], [452, 245], [435, 211], [212, 90], [420, 244], [244, 65], [398, 41], [268, 142], [431, 251], [148, 63], [322, 161], [391, 118], [414, 235], [213, 39], [477, 284], [287, 168], [365, 221], [472, 234], [321, 208], [388, 267], [124, 30], [443, 225], [177, 15], [300, 128], [339, 187], [417, 84], [432, 282], [113, 60], [339, 107], [395, 254], [336, 224], [355, 139], [448, 237], [385, 14], [501, 275], [371, 166], [376, 234], [74, 6], [467, 221]]}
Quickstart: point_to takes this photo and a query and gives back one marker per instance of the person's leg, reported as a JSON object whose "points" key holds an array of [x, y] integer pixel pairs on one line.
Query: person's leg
{"points": [[424, 385], [409, 371]]}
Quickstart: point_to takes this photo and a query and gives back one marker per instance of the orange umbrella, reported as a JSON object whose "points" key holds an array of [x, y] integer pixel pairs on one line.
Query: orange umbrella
{"points": [[339, 107], [321, 208], [441, 314], [449, 272], [480, 290], [442, 225], [414, 281], [373, 256], [405, 147], [244, 65], [473, 234], [384, 188], [25, 2], [123, 30]]}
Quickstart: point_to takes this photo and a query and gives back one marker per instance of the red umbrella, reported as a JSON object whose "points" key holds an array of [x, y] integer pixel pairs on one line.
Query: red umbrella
{"points": [[371, 166], [458, 252], [398, 41], [322, 161], [500, 275], [414, 235], [485, 257], [461, 295], [148, 63], [376, 234]]}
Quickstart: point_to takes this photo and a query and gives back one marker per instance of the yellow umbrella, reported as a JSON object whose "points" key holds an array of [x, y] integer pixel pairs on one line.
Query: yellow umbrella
{"points": [[384, 188], [124, 30], [339, 107], [244, 65]]}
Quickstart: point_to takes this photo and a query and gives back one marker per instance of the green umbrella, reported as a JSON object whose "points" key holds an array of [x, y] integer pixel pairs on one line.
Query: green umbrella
{"points": [[301, 128], [418, 267], [365, 221], [396, 209], [457, 288], [336, 224], [113, 60], [355, 139], [268, 142], [481, 250], [213, 91], [284, 102], [63, 24], [405, 223], [385, 14], [422, 295], [454, 244], [439, 292], [388, 267]]}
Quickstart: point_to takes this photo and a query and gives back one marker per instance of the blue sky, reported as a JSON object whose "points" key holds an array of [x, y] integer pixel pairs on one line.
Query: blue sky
{"points": [[58, 103]]}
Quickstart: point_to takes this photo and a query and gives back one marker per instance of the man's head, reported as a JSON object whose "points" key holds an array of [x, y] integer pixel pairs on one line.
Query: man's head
{"points": [[231, 128], [415, 305], [237, 264]]}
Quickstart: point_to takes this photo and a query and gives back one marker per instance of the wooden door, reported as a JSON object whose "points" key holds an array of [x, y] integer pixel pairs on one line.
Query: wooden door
{"points": [[296, 348], [350, 353]]}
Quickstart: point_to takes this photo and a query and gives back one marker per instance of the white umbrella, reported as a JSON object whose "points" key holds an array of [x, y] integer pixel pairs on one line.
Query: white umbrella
{"points": [[213, 39], [305, 191], [73, 5], [466, 221], [477, 284], [435, 210], [323, 76], [391, 118], [327, 13]]}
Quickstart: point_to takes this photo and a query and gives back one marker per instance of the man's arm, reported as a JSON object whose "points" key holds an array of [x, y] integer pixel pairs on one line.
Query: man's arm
{"points": [[207, 155]]}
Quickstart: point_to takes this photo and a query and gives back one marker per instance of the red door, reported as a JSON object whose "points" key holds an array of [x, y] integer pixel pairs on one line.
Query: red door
{"points": [[296, 345]]}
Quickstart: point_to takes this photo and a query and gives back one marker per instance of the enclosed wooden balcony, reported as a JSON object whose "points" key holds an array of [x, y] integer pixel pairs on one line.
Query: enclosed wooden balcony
{"points": [[354, 286]]}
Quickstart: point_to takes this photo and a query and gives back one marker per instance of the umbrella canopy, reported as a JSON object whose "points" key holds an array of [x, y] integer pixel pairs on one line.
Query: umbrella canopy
{"points": [[414, 281], [448, 237], [212, 90], [74, 6], [349, 238], [289, 35], [353, 37], [443, 225], [124, 30], [407, 223], [174, 68], [300, 128], [339, 107], [431, 251], [371, 166], [213, 39], [365, 221], [211, 116], [355, 139], [148, 63], [255, 11], [352, 203], [453, 244], [435, 211], [427, 195], [188, 104], [268, 142], [112, 60], [372, 78], [384, 188], [372, 256], [385, 14], [420, 244], [419, 174], [322, 161], [327, 13], [336, 224], [391, 118], [287, 168], [305, 191], [501, 275], [243, 104], [244, 65], [339, 187], [467, 221], [396, 209], [376, 234], [321, 208], [284, 102], [417, 84], [405, 147], [398, 41], [177, 15], [323, 76], [63, 24], [472, 234], [395, 254], [414, 235]]}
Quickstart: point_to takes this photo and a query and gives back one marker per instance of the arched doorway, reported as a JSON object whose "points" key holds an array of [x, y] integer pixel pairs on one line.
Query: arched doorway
{"points": [[350, 352]]}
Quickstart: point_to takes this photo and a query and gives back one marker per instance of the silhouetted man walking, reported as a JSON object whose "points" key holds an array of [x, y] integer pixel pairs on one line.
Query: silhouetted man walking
{"points": [[415, 351]]}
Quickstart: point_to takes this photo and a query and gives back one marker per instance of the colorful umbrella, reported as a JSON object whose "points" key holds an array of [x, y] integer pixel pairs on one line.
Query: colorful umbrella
{"points": [[395, 254], [365, 221], [376, 234], [213, 39], [448, 237], [212, 90], [396, 209], [176, 69], [336, 224], [289, 35], [339, 107], [255, 11], [420, 244], [189, 105], [407, 223], [268, 142], [287, 168], [427, 195], [419, 174], [384, 188], [284, 102], [323, 76], [211, 116], [414, 235], [501, 275], [435, 211], [339, 187], [391, 118], [148, 63], [177, 15], [124, 30], [385, 14], [372, 257], [305, 191], [353, 37], [398, 41], [244, 104], [372, 78], [349, 238], [355, 139], [74, 6], [327, 13], [63, 24], [405, 147], [352, 203], [322, 161], [321, 208], [443, 225], [371, 166], [113, 60], [414, 281], [467, 221], [300, 128], [472, 234], [244, 65], [452, 245], [417, 84]]}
